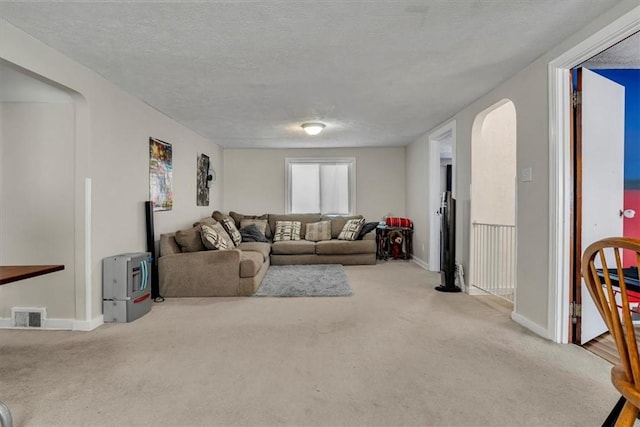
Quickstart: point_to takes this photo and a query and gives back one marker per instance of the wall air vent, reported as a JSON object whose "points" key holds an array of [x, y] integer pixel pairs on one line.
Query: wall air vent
{"points": [[28, 317]]}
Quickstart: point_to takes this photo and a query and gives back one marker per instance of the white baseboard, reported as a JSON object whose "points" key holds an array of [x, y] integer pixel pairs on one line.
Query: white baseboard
{"points": [[420, 262], [50, 324], [59, 324], [533, 327], [473, 290], [88, 325]]}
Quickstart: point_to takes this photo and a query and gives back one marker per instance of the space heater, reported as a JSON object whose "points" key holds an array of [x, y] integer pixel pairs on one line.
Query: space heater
{"points": [[126, 283]]}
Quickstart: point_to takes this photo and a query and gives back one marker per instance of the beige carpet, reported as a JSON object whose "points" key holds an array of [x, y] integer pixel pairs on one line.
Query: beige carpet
{"points": [[397, 353]]}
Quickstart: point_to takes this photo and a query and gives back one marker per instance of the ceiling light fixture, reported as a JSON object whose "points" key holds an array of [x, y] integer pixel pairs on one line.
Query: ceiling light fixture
{"points": [[313, 128]]}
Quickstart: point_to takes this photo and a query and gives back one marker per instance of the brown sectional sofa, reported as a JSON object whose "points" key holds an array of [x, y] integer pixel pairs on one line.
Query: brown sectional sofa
{"points": [[332, 251], [188, 270]]}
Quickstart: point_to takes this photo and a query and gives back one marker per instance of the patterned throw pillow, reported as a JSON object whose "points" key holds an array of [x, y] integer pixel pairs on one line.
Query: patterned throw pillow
{"points": [[287, 230], [230, 228], [214, 237], [260, 223], [317, 231], [351, 229]]}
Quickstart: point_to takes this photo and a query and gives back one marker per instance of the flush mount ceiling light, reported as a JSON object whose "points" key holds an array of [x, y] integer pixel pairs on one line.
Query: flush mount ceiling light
{"points": [[313, 128]]}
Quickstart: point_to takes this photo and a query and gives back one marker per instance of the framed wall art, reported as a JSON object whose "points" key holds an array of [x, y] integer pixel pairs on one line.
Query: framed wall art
{"points": [[160, 174]]}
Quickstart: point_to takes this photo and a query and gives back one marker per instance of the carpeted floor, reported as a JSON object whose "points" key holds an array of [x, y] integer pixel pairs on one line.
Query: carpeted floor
{"points": [[322, 280], [397, 353]]}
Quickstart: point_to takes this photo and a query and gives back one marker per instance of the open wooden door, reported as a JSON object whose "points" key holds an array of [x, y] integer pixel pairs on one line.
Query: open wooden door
{"points": [[599, 183]]}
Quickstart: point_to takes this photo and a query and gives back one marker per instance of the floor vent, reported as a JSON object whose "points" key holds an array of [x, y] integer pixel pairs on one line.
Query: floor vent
{"points": [[28, 317]]}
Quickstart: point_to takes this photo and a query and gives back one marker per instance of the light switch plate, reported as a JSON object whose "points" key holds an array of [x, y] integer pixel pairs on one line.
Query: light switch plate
{"points": [[527, 175]]}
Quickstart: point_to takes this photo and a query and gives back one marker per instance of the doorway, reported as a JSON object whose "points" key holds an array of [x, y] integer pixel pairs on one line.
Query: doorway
{"points": [[561, 189], [606, 166], [493, 201], [442, 144], [44, 152]]}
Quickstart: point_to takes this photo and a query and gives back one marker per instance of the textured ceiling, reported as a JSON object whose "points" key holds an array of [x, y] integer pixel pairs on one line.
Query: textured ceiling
{"points": [[625, 54], [248, 73]]}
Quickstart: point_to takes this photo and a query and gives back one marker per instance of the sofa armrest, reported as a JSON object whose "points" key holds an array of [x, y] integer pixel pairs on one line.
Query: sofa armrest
{"points": [[200, 274], [168, 244]]}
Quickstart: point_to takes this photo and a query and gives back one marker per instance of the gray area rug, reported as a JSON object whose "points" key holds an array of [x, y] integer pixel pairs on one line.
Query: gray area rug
{"points": [[324, 280]]}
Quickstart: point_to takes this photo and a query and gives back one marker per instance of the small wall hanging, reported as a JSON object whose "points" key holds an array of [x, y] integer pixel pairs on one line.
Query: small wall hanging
{"points": [[202, 180]]}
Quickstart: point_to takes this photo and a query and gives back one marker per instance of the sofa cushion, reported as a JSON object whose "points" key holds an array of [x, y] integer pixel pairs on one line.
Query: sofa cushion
{"points": [[250, 263], [261, 224], [286, 230], [263, 248], [189, 240], [303, 218], [215, 237], [230, 227], [238, 217], [293, 247], [208, 221], [317, 231], [351, 229], [338, 222], [250, 233], [345, 247]]}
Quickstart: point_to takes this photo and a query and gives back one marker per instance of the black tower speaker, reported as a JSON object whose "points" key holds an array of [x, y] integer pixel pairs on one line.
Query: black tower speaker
{"points": [[448, 246], [151, 248]]}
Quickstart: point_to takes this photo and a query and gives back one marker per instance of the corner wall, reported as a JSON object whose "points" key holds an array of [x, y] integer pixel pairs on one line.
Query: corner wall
{"points": [[255, 179], [417, 172]]}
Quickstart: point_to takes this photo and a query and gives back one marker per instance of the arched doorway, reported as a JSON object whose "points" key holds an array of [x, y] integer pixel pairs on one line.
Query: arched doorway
{"points": [[44, 157], [493, 201]]}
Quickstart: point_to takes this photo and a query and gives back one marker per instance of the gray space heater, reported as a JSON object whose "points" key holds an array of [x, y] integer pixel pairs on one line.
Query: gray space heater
{"points": [[126, 286]]}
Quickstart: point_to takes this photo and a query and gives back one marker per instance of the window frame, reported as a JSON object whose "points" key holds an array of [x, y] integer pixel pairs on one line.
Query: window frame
{"points": [[349, 161]]}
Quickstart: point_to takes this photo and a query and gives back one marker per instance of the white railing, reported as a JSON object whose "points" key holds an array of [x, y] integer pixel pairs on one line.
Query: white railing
{"points": [[494, 259]]}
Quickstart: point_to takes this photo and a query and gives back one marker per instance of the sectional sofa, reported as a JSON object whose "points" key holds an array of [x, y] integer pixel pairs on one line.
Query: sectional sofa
{"points": [[187, 269]]}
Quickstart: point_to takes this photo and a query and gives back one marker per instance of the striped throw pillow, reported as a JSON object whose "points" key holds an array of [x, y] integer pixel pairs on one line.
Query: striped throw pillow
{"points": [[230, 228], [287, 230], [215, 237], [351, 229]]}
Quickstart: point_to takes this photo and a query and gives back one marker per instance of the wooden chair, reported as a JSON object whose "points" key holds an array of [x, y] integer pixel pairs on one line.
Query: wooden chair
{"points": [[610, 291]]}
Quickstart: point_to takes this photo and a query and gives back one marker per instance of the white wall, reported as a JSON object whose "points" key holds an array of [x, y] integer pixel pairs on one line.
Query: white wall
{"points": [[494, 166], [417, 173], [36, 214], [255, 179], [529, 92], [112, 130]]}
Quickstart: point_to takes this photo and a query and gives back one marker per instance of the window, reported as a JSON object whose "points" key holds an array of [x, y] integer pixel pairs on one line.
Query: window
{"points": [[322, 185]]}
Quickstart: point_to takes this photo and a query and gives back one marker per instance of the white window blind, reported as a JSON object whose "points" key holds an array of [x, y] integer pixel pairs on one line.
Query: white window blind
{"points": [[321, 185]]}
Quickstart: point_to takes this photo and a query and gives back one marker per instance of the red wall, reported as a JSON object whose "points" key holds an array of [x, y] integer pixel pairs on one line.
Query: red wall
{"points": [[631, 225]]}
